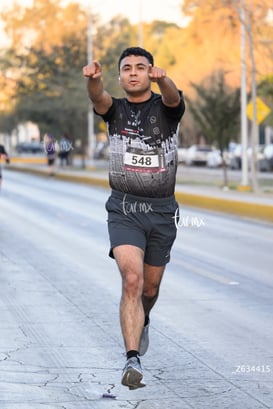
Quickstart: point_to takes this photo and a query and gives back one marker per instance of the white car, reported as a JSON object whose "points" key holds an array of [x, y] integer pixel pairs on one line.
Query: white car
{"points": [[268, 151], [268, 154], [264, 157], [181, 155], [198, 155], [235, 157], [214, 159]]}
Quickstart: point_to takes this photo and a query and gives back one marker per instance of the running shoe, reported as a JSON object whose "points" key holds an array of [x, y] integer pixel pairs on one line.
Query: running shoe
{"points": [[144, 340], [132, 374]]}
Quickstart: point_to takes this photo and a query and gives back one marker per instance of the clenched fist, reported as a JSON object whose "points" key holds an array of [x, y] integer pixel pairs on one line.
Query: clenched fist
{"points": [[92, 70], [156, 73]]}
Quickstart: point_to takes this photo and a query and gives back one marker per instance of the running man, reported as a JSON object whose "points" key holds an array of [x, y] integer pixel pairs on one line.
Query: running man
{"points": [[142, 131]]}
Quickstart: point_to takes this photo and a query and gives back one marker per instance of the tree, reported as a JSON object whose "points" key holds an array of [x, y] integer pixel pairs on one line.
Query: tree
{"points": [[265, 90], [50, 87], [210, 42], [212, 38], [216, 111], [47, 70], [45, 61]]}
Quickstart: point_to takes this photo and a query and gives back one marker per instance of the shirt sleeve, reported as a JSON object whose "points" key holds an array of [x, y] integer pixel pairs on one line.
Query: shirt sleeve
{"points": [[176, 112]]}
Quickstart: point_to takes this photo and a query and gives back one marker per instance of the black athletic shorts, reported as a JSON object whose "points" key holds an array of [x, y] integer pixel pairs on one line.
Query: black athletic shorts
{"points": [[148, 223]]}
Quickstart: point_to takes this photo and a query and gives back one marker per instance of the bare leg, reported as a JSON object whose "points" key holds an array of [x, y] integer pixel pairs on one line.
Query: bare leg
{"points": [[130, 262], [51, 170], [152, 279]]}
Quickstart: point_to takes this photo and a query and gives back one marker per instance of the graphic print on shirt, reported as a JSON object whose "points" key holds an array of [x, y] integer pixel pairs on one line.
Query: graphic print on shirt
{"points": [[142, 154], [143, 148]]}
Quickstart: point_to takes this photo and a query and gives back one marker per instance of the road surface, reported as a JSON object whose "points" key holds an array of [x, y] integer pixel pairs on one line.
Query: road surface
{"points": [[60, 341]]}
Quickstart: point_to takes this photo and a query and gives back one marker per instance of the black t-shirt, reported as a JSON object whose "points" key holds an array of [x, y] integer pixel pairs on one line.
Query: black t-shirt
{"points": [[143, 141]]}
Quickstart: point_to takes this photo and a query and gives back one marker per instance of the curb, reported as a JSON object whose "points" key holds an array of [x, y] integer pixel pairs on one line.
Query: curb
{"points": [[31, 160], [87, 180], [235, 207]]}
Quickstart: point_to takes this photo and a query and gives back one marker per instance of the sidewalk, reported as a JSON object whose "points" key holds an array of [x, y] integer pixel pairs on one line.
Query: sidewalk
{"points": [[207, 196]]}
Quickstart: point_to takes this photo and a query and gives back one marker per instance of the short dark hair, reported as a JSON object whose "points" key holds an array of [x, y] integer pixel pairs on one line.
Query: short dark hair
{"points": [[136, 51]]}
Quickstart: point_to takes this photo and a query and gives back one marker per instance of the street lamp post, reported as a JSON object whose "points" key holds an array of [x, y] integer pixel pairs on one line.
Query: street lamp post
{"points": [[140, 24], [91, 135], [244, 141]]}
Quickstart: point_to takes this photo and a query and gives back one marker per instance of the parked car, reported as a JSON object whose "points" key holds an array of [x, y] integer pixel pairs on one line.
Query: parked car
{"points": [[268, 154], [264, 157], [181, 155], [198, 155], [214, 159], [30, 147], [235, 157]]}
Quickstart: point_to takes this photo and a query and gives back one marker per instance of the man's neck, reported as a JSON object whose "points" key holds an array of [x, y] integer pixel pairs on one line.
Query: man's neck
{"points": [[137, 99]]}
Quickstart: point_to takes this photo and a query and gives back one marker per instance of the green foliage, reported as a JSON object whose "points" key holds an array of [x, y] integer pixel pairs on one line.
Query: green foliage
{"points": [[50, 91], [41, 72], [45, 61], [216, 110], [265, 90], [7, 123]]}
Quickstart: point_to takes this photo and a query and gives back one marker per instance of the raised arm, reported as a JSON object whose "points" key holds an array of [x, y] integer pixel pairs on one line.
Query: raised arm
{"points": [[99, 97], [168, 89]]}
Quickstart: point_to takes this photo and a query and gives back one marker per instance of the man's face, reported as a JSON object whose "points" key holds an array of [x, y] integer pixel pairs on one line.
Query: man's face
{"points": [[134, 74]]}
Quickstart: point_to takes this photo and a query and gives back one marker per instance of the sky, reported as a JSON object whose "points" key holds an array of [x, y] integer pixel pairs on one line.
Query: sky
{"points": [[149, 10]]}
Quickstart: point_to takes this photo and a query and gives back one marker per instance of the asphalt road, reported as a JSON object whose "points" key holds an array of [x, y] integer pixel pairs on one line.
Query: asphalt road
{"points": [[60, 341]]}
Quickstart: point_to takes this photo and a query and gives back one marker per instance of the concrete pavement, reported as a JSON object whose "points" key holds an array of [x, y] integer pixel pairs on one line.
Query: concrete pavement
{"points": [[60, 342]]}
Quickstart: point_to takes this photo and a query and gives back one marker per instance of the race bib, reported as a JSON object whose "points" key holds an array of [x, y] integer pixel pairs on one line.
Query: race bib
{"points": [[138, 161]]}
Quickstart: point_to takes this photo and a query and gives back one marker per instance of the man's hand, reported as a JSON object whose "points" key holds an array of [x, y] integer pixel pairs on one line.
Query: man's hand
{"points": [[100, 98], [169, 92], [156, 73], [92, 70]]}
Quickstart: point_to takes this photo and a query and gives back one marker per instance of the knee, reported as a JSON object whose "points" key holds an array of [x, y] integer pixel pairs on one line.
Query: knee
{"points": [[132, 283], [150, 292]]}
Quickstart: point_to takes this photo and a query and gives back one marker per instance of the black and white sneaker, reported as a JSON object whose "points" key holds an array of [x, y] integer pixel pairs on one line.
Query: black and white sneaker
{"points": [[132, 374]]}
